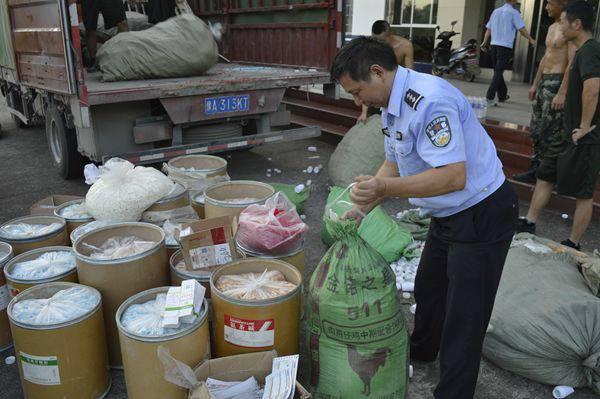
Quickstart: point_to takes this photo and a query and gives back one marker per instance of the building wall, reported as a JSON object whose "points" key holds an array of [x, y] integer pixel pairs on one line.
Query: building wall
{"points": [[364, 13], [452, 10]]}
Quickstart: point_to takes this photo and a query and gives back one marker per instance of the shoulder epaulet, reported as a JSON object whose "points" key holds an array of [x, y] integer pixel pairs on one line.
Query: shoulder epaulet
{"points": [[412, 98]]}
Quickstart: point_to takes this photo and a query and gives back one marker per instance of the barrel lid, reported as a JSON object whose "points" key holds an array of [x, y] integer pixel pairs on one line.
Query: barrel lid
{"points": [[9, 237], [199, 163], [53, 305], [149, 306], [245, 187], [59, 269], [256, 254], [6, 252], [91, 226], [178, 191], [59, 211]]}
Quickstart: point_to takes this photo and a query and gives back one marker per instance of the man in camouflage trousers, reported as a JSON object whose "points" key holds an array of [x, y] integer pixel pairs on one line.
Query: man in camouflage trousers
{"points": [[548, 91]]}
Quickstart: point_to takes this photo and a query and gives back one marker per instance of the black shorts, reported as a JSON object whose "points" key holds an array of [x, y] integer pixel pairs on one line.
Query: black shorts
{"points": [[112, 11], [577, 170]]}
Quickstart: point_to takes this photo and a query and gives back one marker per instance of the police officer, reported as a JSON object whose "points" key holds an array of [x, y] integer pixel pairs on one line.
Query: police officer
{"points": [[439, 157]]}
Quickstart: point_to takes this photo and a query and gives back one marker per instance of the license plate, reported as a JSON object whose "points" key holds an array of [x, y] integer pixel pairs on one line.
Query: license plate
{"points": [[226, 104]]}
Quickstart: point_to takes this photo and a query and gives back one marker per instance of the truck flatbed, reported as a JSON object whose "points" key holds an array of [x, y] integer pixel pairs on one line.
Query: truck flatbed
{"points": [[222, 78]]}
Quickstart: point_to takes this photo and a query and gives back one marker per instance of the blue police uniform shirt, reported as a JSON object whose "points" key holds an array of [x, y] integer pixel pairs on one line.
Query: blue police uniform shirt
{"points": [[428, 123], [504, 23]]}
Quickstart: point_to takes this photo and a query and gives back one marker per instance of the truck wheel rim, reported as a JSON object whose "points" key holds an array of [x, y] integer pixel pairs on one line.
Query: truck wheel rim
{"points": [[55, 147]]}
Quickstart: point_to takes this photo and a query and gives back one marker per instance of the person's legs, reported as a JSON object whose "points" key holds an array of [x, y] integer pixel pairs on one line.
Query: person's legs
{"points": [[493, 89], [503, 58], [431, 284], [541, 197], [535, 132], [582, 218], [92, 42], [90, 12]]}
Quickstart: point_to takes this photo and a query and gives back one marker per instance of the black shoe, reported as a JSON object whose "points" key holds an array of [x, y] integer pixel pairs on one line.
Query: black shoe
{"points": [[92, 68], [525, 226], [503, 100], [571, 244], [526, 177]]}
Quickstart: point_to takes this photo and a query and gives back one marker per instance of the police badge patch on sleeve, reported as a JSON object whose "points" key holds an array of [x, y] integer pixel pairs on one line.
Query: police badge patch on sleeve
{"points": [[439, 132]]}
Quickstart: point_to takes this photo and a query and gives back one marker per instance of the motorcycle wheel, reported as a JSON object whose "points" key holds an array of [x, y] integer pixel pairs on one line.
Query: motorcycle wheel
{"points": [[436, 72], [468, 76]]}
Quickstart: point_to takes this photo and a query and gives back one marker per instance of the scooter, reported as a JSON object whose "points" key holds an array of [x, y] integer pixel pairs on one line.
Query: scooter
{"points": [[460, 62]]}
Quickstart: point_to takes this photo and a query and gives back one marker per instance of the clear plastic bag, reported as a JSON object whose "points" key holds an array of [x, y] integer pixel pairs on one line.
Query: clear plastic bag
{"points": [[145, 319], [25, 230], [49, 264], [255, 286], [195, 180], [123, 191], [160, 217], [75, 211], [91, 226], [64, 306], [172, 229], [120, 247], [274, 228]]}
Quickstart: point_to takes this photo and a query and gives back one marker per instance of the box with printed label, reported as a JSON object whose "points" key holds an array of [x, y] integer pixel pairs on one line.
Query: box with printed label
{"points": [[209, 243], [239, 368]]}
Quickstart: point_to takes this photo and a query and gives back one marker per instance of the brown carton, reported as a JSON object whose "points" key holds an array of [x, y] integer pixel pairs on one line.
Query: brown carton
{"points": [[211, 243], [240, 368], [46, 206]]}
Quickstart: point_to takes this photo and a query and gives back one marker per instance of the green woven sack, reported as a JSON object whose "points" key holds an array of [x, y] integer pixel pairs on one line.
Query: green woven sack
{"points": [[378, 229], [298, 199], [356, 332]]}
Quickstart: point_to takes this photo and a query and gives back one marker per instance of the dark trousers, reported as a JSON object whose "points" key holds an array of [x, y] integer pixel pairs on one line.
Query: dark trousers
{"points": [[455, 288], [500, 59]]}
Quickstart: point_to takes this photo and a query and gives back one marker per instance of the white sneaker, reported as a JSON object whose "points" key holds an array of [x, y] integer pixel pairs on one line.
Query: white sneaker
{"points": [[492, 103]]}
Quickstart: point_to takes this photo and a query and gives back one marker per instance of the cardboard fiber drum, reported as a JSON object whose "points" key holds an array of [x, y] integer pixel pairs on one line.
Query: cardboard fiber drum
{"points": [[144, 375], [72, 223], [252, 326], [54, 238], [227, 199], [66, 360], [6, 254], [119, 279], [295, 258], [17, 285]]}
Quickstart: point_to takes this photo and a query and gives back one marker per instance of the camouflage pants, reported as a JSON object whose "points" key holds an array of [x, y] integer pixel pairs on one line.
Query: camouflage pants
{"points": [[546, 127]]}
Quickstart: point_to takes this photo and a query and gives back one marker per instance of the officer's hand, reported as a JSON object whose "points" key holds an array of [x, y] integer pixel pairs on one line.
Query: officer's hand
{"points": [[485, 47], [558, 102], [531, 93], [367, 190], [532, 42], [362, 118], [579, 133]]}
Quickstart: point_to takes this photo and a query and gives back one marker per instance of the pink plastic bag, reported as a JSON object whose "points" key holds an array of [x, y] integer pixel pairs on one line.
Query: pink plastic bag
{"points": [[274, 228]]}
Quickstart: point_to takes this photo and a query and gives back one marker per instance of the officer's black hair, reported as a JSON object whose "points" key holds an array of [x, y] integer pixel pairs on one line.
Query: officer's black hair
{"points": [[583, 11], [357, 57], [379, 27]]}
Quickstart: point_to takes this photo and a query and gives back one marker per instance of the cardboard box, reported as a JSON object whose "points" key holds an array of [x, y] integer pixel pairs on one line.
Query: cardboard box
{"points": [[211, 243], [240, 368], [46, 206]]}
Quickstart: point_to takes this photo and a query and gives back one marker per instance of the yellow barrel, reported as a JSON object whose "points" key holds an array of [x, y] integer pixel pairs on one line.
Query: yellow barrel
{"points": [[53, 238], [144, 373], [6, 253], [72, 223], [66, 360], [198, 204], [119, 279], [252, 326], [17, 285], [295, 258], [231, 198]]}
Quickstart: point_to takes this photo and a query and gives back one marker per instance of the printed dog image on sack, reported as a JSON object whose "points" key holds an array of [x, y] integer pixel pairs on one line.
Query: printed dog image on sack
{"points": [[357, 335]]}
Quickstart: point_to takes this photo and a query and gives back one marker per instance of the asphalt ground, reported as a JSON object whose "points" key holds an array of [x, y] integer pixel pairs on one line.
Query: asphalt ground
{"points": [[27, 175]]}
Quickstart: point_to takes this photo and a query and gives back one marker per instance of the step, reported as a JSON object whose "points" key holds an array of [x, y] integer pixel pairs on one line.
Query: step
{"points": [[322, 112], [326, 127]]}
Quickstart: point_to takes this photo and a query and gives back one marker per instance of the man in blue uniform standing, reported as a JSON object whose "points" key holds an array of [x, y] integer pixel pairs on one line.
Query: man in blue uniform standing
{"points": [[439, 157]]}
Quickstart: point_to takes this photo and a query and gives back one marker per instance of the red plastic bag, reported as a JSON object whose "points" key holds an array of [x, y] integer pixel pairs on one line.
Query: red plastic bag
{"points": [[274, 228]]}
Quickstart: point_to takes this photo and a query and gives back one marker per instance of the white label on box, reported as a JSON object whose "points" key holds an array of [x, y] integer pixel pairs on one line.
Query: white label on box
{"points": [[41, 370], [214, 255], [249, 333], [4, 297]]}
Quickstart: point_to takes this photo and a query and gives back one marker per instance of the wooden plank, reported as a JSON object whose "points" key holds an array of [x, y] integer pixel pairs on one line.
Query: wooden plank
{"points": [[54, 69], [44, 83], [46, 42], [38, 16]]}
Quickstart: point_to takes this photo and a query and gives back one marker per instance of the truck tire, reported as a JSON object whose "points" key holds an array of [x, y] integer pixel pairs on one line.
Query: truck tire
{"points": [[62, 143]]}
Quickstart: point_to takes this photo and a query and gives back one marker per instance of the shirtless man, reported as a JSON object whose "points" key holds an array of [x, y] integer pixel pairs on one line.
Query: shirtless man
{"points": [[548, 91], [402, 47]]}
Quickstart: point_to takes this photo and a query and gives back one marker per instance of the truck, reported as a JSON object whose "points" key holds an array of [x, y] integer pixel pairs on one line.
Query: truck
{"points": [[268, 46]]}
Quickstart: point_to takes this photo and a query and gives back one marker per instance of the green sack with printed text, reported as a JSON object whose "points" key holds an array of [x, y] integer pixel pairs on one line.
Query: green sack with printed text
{"points": [[356, 332], [377, 228]]}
